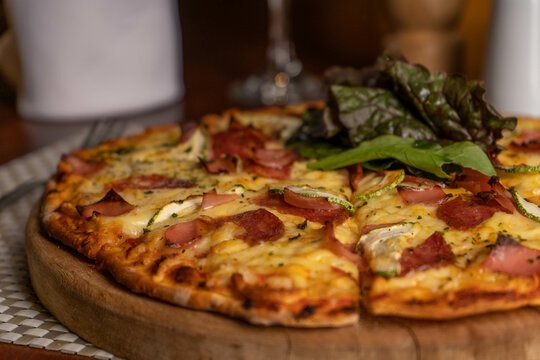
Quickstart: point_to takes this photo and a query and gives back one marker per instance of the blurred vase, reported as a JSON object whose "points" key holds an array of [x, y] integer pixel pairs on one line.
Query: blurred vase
{"points": [[426, 32], [83, 59], [512, 69]]}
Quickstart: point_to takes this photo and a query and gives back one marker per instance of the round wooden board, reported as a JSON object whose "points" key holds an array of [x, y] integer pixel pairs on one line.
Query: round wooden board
{"points": [[92, 305]]}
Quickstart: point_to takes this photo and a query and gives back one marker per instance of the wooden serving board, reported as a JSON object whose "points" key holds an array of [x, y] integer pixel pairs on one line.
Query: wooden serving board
{"points": [[133, 326]]}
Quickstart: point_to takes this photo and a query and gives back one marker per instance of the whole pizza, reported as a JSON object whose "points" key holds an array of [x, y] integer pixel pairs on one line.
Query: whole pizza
{"points": [[405, 194]]}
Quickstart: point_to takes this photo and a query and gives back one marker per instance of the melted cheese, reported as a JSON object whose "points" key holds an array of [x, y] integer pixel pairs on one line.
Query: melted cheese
{"points": [[470, 246], [298, 259]]}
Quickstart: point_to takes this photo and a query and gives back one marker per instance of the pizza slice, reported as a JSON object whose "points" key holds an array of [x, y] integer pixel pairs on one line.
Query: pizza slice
{"points": [[444, 251], [220, 217]]}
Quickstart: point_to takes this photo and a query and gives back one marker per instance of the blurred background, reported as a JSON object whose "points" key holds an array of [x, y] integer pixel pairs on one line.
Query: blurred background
{"points": [[226, 40]]}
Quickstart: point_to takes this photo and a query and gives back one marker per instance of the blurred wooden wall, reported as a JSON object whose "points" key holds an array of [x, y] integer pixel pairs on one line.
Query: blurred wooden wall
{"points": [[345, 32], [225, 40], [474, 27]]}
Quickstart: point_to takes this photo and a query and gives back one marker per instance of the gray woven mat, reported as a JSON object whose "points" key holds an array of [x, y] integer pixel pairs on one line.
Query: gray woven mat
{"points": [[23, 320]]}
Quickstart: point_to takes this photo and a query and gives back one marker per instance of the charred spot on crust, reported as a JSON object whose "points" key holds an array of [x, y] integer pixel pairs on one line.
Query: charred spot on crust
{"points": [[59, 176], [465, 298], [307, 311], [182, 274], [130, 248], [421, 302], [189, 275], [493, 180], [248, 304], [349, 309], [155, 266]]}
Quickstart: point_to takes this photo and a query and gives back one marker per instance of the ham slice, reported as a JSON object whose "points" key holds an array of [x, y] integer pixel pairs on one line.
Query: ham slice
{"points": [[463, 214], [482, 185], [499, 202], [239, 140], [182, 235], [224, 164], [273, 158], [269, 172], [308, 202], [421, 195], [212, 199], [528, 140], [276, 201], [111, 204], [260, 225], [511, 257], [474, 181], [153, 181], [337, 248], [432, 252], [356, 172], [81, 167]]}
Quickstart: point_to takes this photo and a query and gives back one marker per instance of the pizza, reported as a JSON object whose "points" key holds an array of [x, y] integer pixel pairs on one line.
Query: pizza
{"points": [[405, 194], [221, 216]]}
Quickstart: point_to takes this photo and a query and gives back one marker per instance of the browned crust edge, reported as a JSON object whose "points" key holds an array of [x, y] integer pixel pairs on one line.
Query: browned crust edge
{"points": [[473, 300], [202, 299]]}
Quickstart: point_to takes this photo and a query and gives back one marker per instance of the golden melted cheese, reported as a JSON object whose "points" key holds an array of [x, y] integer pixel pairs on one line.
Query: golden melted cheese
{"points": [[299, 259]]}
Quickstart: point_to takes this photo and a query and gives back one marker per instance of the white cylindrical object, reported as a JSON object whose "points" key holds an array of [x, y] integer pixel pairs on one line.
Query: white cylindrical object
{"points": [[513, 58], [92, 58]]}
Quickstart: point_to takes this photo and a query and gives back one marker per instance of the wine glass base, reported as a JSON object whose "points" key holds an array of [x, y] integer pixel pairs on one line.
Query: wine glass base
{"points": [[267, 89]]}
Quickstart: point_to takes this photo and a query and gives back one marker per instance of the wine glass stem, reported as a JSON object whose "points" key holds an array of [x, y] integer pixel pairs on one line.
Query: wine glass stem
{"points": [[280, 48]]}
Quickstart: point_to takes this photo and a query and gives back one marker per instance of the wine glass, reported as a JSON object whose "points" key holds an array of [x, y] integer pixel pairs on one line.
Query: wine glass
{"points": [[282, 80]]}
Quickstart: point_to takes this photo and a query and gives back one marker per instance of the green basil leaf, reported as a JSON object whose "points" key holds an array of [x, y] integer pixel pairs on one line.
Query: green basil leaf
{"points": [[431, 159], [316, 124], [451, 106], [369, 112], [379, 164], [315, 149], [469, 155]]}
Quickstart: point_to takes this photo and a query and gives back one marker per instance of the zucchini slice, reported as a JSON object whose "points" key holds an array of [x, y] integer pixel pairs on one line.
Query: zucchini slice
{"points": [[518, 169], [197, 146], [384, 246], [373, 184], [376, 243], [310, 192], [527, 208], [175, 209]]}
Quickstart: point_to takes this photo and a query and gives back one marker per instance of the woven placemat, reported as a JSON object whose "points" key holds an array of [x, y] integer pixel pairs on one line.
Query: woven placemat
{"points": [[23, 320]]}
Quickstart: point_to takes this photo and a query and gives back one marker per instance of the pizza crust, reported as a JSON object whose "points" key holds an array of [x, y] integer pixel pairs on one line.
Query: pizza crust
{"points": [[200, 299]]}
